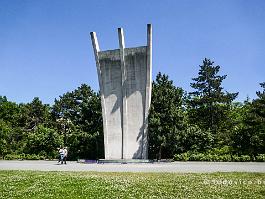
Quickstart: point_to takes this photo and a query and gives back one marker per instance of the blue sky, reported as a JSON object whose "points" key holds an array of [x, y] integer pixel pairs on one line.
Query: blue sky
{"points": [[45, 47]]}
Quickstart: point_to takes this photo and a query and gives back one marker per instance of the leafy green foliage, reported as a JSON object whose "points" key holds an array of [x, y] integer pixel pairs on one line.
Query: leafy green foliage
{"points": [[43, 140], [166, 118], [212, 157], [79, 120], [192, 138], [4, 133], [25, 157], [34, 114], [9, 111], [250, 137], [37, 129]]}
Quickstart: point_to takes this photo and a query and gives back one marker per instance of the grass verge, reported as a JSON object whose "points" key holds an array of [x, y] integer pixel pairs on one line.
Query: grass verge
{"points": [[36, 184]]}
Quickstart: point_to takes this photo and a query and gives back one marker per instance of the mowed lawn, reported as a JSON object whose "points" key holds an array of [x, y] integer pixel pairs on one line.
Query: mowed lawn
{"points": [[35, 184]]}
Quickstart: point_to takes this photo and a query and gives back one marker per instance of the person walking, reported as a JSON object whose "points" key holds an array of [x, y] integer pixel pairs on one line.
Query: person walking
{"points": [[65, 154], [61, 155]]}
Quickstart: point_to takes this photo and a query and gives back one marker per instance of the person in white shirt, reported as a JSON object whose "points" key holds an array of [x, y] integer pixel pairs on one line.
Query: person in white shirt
{"points": [[61, 155], [65, 155]]}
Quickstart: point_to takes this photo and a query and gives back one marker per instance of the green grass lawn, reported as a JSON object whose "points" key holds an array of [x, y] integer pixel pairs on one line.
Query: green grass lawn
{"points": [[35, 184]]}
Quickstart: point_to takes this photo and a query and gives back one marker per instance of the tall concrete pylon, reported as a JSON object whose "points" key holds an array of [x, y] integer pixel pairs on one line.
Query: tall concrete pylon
{"points": [[125, 81]]}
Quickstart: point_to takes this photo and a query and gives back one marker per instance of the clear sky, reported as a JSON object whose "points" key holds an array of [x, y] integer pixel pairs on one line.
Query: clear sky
{"points": [[45, 47]]}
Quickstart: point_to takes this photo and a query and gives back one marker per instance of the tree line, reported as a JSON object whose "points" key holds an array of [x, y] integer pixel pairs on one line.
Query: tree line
{"points": [[204, 124]]}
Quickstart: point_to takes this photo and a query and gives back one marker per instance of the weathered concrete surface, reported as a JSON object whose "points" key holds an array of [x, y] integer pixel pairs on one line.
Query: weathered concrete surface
{"points": [[110, 67], [176, 167], [125, 86], [135, 63]]}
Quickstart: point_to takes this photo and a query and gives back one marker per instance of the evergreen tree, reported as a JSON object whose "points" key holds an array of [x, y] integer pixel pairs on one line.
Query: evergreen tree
{"points": [[209, 105]]}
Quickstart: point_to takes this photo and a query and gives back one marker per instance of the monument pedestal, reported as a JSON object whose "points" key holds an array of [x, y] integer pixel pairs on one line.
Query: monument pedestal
{"points": [[124, 161]]}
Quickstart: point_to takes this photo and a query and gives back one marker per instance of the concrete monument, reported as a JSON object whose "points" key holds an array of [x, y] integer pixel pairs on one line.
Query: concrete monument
{"points": [[125, 81]]}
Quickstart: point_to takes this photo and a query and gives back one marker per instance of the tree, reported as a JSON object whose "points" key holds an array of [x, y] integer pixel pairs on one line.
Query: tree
{"points": [[43, 141], [79, 119], [250, 138], [209, 105], [34, 114], [9, 111], [193, 139], [166, 118], [4, 133], [11, 134]]}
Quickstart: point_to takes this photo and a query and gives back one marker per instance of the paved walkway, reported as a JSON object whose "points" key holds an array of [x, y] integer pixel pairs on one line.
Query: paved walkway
{"points": [[180, 167]]}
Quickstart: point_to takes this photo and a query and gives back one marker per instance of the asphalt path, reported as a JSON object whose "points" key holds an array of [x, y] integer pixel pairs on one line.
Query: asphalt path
{"points": [[176, 167]]}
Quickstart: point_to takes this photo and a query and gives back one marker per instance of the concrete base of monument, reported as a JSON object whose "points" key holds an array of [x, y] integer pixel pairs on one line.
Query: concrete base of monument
{"points": [[87, 161], [121, 161], [124, 161]]}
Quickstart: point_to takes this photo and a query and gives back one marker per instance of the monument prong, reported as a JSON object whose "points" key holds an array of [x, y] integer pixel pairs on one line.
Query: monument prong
{"points": [[96, 53], [121, 38], [94, 41], [123, 83], [148, 90]]}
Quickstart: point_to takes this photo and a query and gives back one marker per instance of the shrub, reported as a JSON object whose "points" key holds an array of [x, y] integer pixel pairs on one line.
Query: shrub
{"points": [[24, 157], [235, 158], [260, 158], [177, 157], [196, 157], [244, 158], [11, 157], [220, 151], [34, 157], [181, 157], [216, 158], [225, 158], [206, 157]]}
